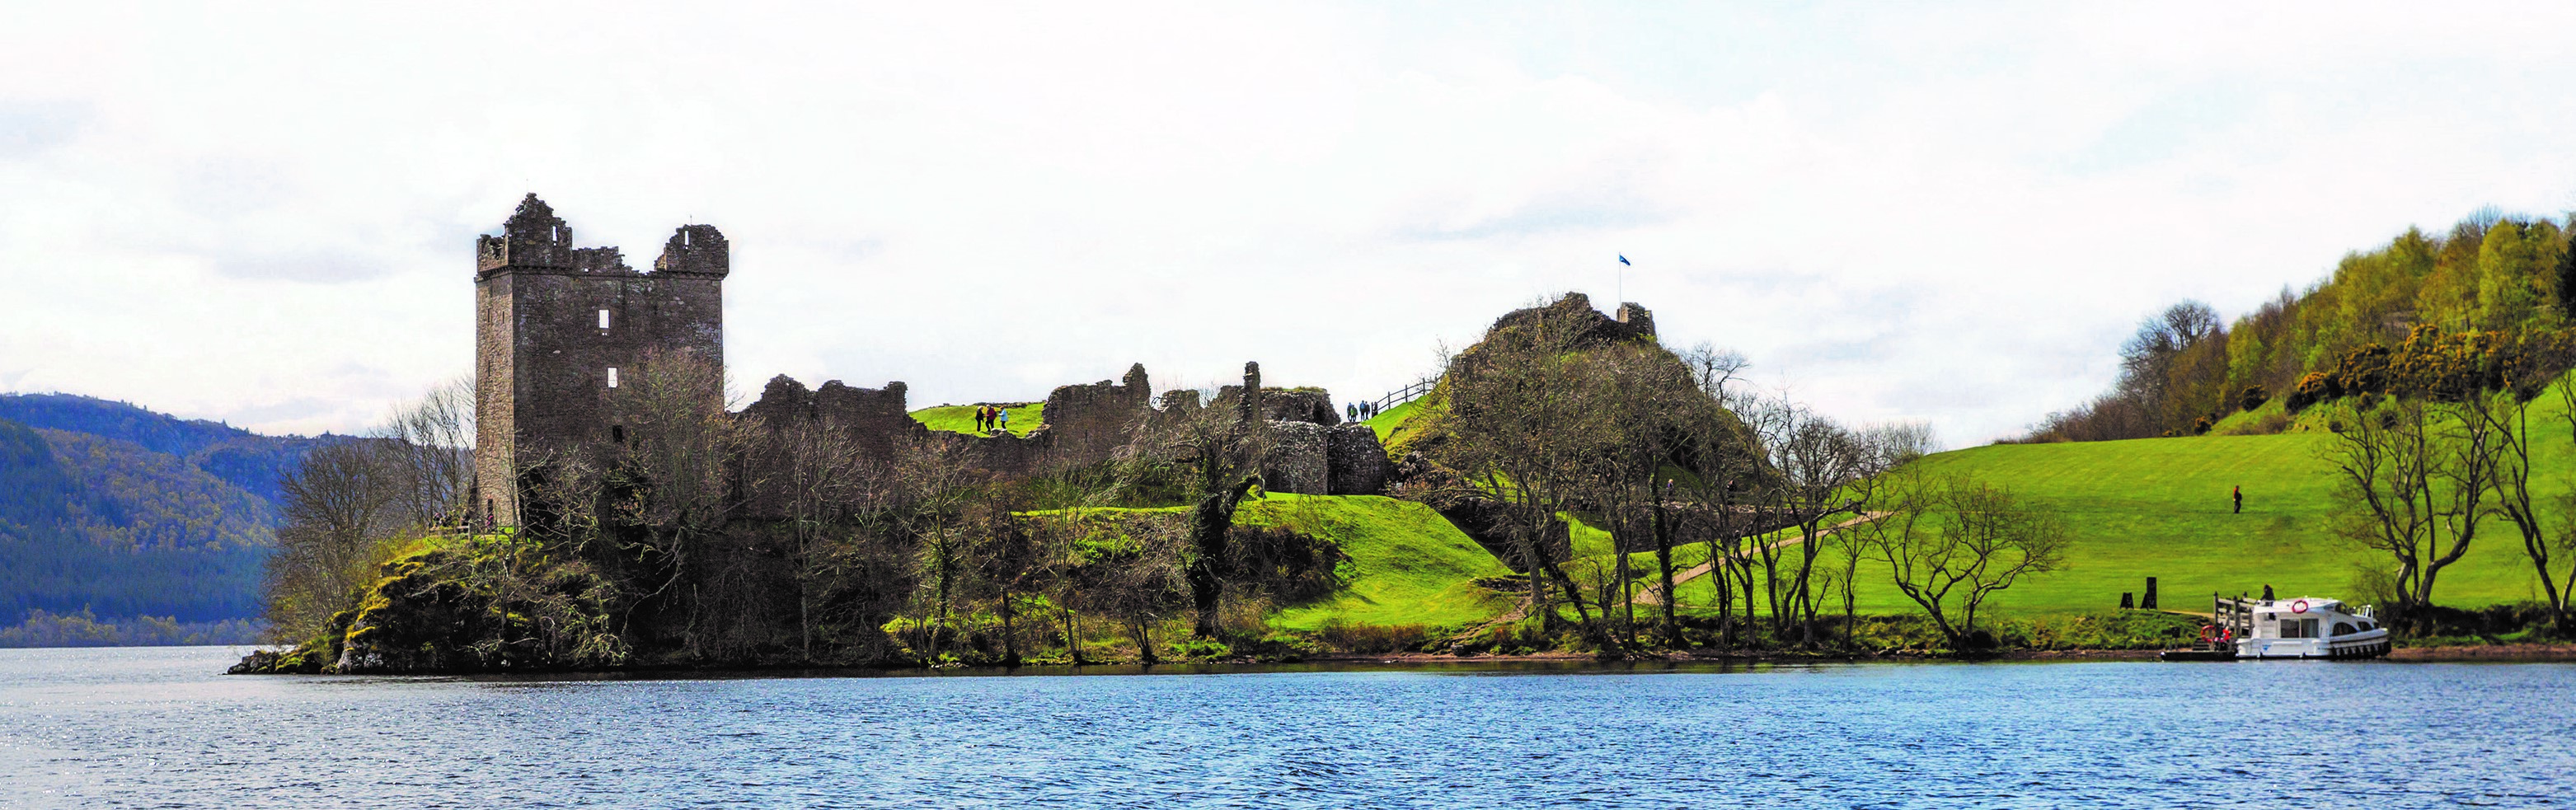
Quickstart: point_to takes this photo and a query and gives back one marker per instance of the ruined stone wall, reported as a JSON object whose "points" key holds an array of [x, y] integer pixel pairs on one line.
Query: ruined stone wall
{"points": [[1296, 462], [1313, 406], [874, 419], [558, 328], [1591, 327], [1354, 461], [1088, 423]]}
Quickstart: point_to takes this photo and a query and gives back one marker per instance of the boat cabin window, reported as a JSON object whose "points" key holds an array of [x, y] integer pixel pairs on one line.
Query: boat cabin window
{"points": [[2344, 629], [2298, 628]]}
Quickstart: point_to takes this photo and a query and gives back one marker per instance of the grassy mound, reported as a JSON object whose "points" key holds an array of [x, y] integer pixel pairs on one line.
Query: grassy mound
{"points": [[1408, 565], [1025, 417]]}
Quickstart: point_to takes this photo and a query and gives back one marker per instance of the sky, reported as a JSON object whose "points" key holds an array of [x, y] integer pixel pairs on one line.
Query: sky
{"points": [[264, 214]]}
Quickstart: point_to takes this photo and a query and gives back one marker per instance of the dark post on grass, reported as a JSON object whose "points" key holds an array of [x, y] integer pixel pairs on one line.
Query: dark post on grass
{"points": [[2149, 603], [2126, 601]]}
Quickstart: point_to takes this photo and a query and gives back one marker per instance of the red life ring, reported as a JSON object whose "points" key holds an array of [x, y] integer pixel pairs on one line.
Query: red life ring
{"points": [[2300, 606], [2209, 632]]}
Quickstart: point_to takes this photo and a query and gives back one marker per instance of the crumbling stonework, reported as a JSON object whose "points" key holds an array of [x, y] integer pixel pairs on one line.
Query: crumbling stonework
{"points": [[1354, 461], [1296, 462], [556, 326], [1313, 406], [1310, 405], [1592, 327], [559, 328], [1093, 421]]}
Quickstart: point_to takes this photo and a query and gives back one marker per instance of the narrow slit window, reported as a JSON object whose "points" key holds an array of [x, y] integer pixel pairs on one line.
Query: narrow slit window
{"points": [[603, 319], [617, 433], [612, 376]]}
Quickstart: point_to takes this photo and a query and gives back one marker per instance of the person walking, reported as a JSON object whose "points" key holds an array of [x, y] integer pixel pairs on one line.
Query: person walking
{"points": [[1351, 411], [983, 418], [1002, 419], [2240, 500]]}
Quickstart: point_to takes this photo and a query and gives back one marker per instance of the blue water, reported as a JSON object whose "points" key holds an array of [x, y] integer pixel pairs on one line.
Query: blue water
{"points": [[155, 727]]}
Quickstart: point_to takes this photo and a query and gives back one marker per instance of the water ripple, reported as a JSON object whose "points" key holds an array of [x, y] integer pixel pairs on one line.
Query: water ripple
{"points": [[152, 728]]}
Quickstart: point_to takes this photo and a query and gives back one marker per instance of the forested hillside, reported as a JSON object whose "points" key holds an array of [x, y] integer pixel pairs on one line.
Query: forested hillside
{"points": [[110, 513], [2492, 280], [244, 459]]}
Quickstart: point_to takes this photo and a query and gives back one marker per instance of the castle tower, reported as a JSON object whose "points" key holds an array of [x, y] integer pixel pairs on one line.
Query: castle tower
{"points": [[556, 326]]}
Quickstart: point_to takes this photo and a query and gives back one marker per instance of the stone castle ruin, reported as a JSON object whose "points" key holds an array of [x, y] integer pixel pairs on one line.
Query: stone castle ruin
{"points": [[556, 326]]}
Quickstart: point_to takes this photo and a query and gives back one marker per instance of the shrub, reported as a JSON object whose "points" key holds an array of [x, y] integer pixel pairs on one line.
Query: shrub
{"points": [[2316, 387], [2252, 398]]}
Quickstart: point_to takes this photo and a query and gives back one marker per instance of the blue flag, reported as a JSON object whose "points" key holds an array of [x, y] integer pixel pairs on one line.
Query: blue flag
{"points": [[1623, 259]]}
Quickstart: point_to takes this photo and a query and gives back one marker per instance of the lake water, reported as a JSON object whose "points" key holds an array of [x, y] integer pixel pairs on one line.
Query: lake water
{"points": [[156, 727]]}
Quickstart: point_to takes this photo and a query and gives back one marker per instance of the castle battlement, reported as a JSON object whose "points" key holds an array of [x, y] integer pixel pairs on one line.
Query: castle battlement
{"points": [[556, 325]]}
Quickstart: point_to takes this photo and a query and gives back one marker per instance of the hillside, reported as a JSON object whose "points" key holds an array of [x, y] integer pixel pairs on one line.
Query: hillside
{"points": [[2159, 507], [110, 513], [91, 524], [1408, 565], [244, 459]]}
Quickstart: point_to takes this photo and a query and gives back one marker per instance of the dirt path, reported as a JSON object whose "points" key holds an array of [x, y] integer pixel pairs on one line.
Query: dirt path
{"points": [[1652, 594]]}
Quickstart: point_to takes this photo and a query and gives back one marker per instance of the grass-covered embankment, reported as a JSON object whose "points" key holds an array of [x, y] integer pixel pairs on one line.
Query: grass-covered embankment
{"points": [[1408, 565]]}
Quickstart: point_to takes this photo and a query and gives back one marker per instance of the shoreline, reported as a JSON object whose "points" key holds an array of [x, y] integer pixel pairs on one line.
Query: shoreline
{"points": [[2500, 653], [2483, 653]]}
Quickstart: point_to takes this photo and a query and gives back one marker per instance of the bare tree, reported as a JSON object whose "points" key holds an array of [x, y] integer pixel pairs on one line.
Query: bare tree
{"points": [[1011, 556], [1223, 447], [1952, 542], [1134, 576], [928, 498], [430, 449], [338, 508], [2411, 477], [1728, 475], [2509, 411], [827, 481], [672, 488], [1522, 407]]}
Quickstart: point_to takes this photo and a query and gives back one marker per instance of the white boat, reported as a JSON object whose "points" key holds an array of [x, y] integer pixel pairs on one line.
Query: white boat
{"points": [[2304, 627]]}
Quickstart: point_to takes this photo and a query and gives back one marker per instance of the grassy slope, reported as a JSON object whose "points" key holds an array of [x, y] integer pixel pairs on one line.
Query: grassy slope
{"points": [[1386, 421], [2159, 507], [961, 418], [1408, 564]]}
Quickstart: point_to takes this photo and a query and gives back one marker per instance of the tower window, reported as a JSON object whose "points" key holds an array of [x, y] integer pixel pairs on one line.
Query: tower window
{"points": [[603, 319], [612, 376]]}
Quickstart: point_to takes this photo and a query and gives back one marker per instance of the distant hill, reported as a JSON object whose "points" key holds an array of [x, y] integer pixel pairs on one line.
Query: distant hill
{"points": [[247, 460], [114, 512]]}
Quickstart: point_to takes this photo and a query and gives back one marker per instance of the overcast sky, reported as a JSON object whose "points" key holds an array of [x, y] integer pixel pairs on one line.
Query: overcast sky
{"points": [[1954, 215]]}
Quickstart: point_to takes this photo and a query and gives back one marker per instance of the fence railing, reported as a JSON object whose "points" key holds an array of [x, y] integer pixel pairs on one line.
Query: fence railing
{"points": [[1402, 395]]}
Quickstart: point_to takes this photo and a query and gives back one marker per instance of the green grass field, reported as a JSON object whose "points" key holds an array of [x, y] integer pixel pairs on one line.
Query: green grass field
{"points": [[961, 418], [2160, 508], [1407, 564]]}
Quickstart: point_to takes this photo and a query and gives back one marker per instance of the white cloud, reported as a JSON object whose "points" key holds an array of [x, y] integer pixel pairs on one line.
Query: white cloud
{"points": [[1945, 214]]}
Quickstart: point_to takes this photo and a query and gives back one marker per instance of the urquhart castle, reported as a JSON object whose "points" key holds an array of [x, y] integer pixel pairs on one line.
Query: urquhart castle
{"points": [[556, 326]]}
